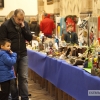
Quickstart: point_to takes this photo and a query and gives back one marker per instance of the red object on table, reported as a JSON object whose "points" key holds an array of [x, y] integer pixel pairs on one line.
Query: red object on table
{"points": [[99, 40]]}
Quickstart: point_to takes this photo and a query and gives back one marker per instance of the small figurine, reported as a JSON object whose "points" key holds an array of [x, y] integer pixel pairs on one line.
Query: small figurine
{"points": [[95, 62], [51, 48], [86, 63]]}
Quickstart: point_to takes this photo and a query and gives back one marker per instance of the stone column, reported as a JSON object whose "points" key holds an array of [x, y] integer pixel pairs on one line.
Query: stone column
{"points": [[86, 5], [40, 9], [96, 8], [57, 6]]}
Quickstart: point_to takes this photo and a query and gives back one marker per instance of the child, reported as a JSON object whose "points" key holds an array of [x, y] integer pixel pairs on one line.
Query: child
{"points": [[7, 60]]}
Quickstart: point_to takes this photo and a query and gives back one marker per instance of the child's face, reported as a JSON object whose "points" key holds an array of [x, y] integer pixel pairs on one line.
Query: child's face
{"points": [[70, 28], [6, 47]]}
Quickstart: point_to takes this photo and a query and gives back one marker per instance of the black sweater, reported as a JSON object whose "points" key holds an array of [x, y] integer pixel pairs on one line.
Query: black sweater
{"points": [[34, 26], [71, 38], [18, 37]]}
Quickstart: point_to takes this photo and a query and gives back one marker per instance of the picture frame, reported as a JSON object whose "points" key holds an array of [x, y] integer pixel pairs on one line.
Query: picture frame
{"points": [[49, 2], [1, 3]]}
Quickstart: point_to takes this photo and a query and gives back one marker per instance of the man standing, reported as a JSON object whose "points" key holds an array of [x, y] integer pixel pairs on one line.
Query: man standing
{"points": [[47, 26], [17, 30]]}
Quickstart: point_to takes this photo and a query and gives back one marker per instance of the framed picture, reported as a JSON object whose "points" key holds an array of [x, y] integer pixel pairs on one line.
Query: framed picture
{"points": [[49, 2], [1, 3]]}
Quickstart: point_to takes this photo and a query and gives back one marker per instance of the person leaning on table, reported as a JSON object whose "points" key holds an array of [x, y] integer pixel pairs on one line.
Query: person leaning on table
{"points": [[70, 37], [16, 29]]}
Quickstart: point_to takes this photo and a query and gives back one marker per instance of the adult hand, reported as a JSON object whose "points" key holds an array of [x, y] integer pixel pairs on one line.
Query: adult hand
{"points": [[22, 24], [36, 38], [10, 52]]}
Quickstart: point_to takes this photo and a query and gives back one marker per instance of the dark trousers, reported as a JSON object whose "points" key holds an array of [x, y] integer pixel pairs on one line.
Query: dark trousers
{"points": [[5, 89], [21, 69], [49, 36]]}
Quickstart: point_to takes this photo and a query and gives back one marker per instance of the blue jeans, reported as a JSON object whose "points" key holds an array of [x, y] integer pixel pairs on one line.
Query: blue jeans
{"points": [[21, 70]]}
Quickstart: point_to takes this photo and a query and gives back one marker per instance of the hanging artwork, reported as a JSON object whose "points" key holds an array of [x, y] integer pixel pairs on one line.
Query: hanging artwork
{"points": [[1, 3], [49, 2], [71, 20]]}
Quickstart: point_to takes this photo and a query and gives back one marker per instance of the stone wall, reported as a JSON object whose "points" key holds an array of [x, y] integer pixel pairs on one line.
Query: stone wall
{"points": [[70, 7], [40, 9], [96, 7]]}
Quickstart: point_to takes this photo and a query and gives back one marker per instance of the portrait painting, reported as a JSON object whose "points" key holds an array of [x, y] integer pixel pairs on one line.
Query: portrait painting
{"points": [[1, 3], [49, 2]]}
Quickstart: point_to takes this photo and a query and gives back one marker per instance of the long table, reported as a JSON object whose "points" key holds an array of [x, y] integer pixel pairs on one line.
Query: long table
{"points": [[70, 79]]}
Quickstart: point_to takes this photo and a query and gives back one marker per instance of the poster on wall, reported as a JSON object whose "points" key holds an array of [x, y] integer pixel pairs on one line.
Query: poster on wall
{"points": [[83, 32], [49, 2], [93, 29], [1, 3], [88, 32]]}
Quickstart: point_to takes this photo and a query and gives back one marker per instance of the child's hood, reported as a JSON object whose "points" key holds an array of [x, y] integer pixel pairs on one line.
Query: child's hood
{"points": [[2, 52]]}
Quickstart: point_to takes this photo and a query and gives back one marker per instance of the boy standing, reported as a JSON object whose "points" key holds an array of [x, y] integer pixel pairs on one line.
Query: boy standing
{"points": [[72, 38], [7, 60]]}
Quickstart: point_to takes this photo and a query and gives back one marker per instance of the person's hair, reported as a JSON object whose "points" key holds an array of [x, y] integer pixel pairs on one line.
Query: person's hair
{"points": [[4, 41], [32, 19], [17, 11], [45, 14]]}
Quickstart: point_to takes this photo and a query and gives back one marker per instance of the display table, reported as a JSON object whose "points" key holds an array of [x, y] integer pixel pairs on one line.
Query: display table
{"points": [[70, 79]]}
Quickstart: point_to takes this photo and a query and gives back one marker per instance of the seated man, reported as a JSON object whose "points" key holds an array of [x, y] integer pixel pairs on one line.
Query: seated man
{"points": [[71, 37]]}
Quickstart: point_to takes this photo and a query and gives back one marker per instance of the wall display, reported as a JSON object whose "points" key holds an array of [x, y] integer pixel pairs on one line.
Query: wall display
{"points": [[88, 30], [71, 20], [93, 29], [83, 31], [49, 2], [82, 36], [1, 3]]}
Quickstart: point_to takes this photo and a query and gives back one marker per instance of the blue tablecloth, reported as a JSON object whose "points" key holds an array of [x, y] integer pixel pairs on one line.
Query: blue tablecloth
{"points": [[70, 79]]}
